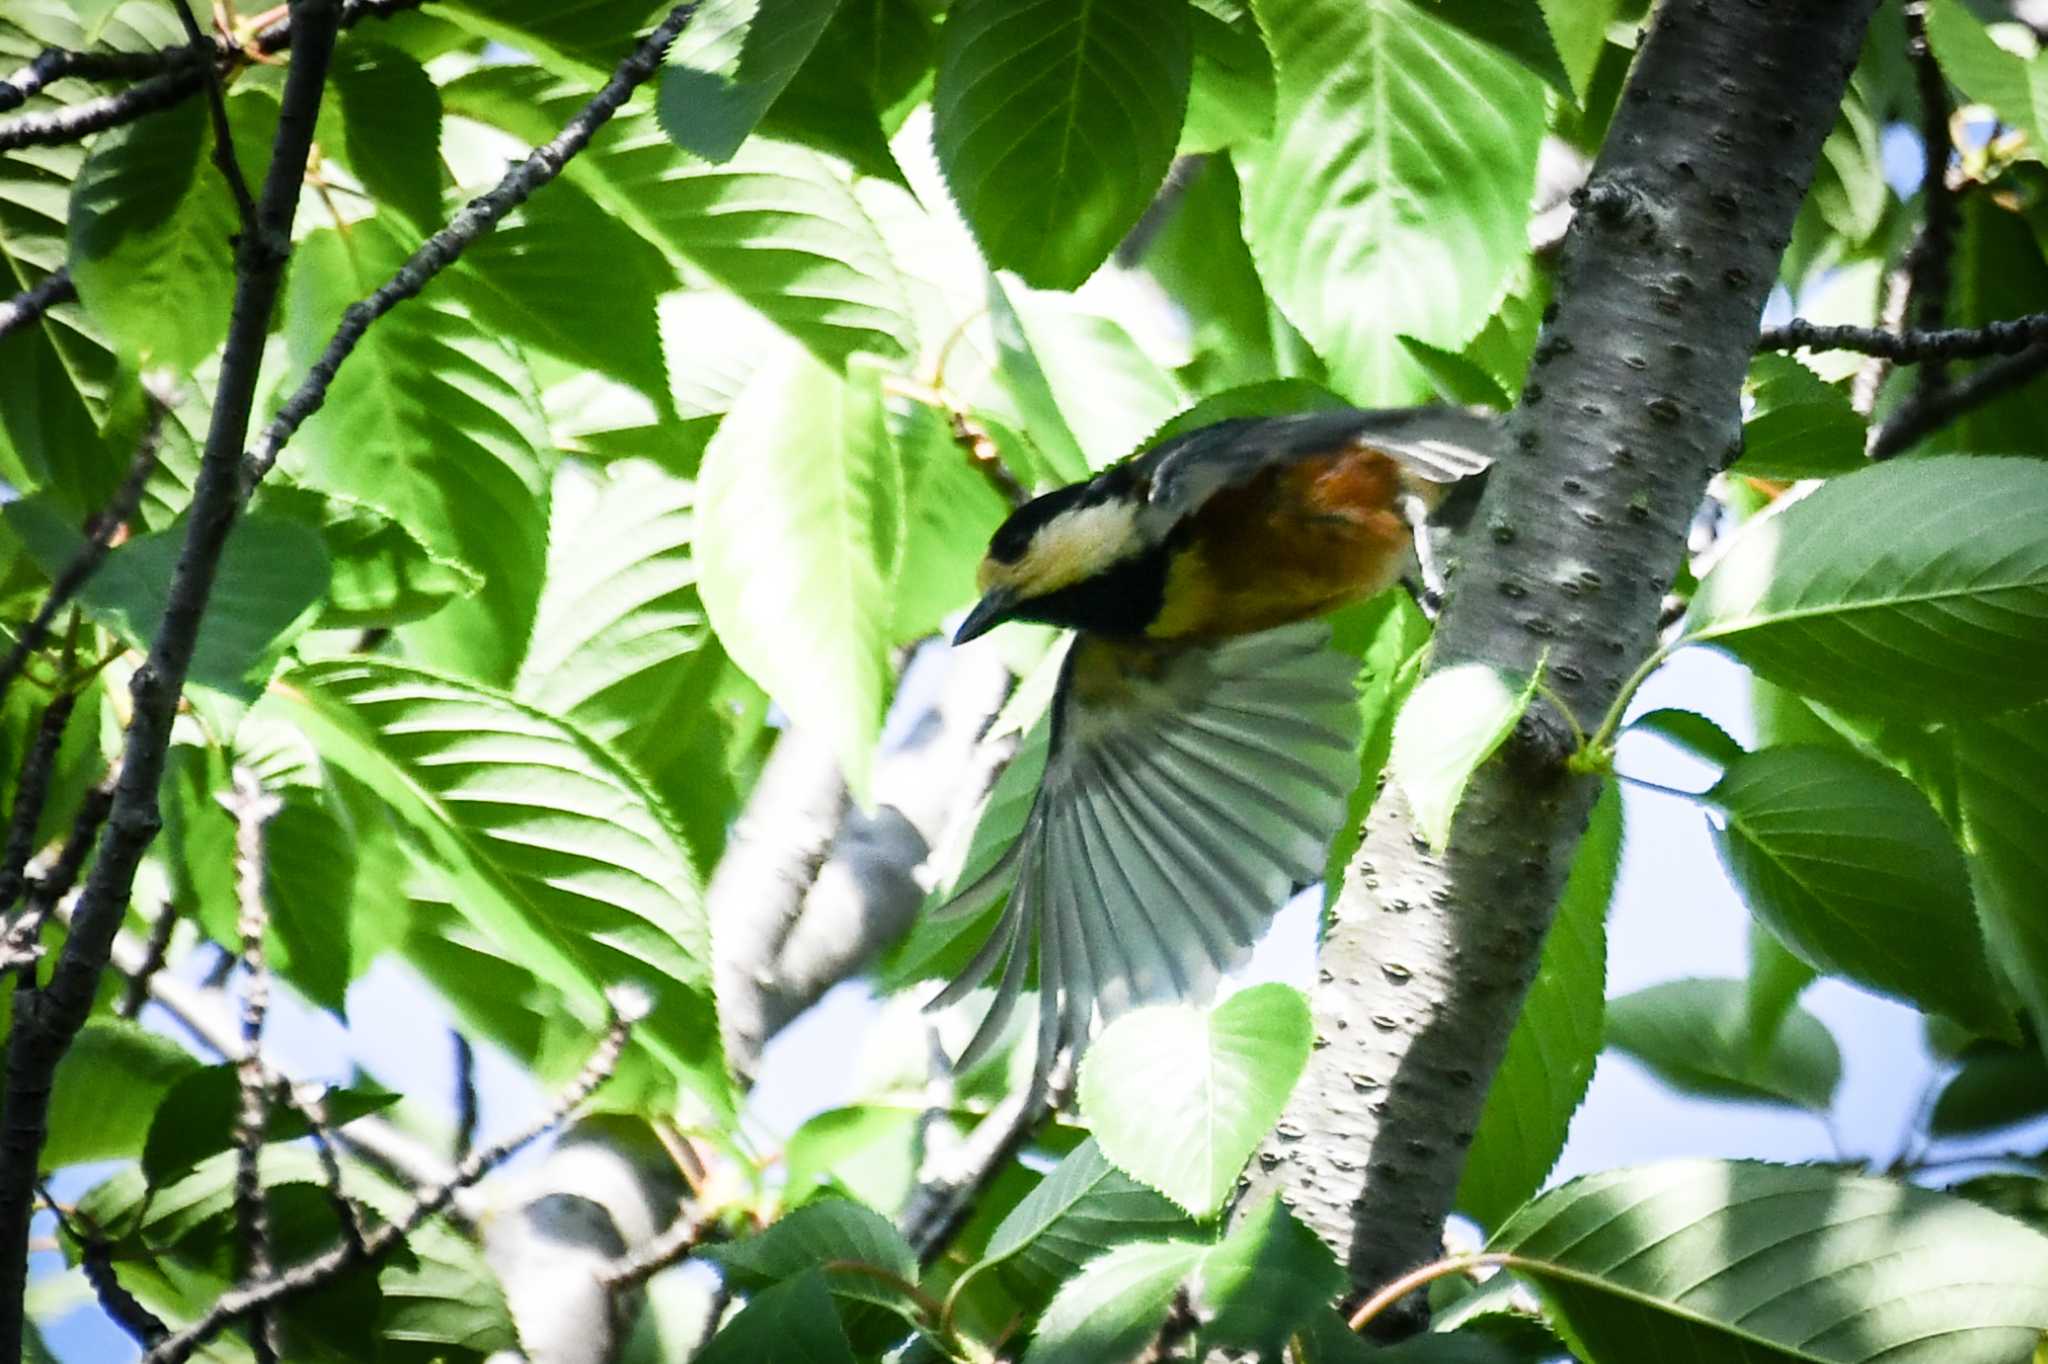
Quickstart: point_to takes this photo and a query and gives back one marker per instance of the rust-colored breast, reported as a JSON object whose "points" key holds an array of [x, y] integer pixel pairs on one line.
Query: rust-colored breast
{"points": [[1295, 541]]}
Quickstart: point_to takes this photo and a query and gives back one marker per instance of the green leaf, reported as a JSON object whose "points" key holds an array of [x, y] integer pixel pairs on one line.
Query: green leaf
{"points": [[434, 423], [1230, 88], [1850, 867], [549, 845], [1262, 1282], [1998, 767], [792, 1321], [1420, 205], [622, 649], [1387, 634], [391, 130], [1706, 1259], [381, 574], [266, 590], [1690, 733], [1179, 1097], [1087, 392], [1449, 725], [196, 1119], [1518, 28], [107, 1090], [1054, 121], [1455, 378], [799, 527], [729, 65], [1579, 30], [1556, 1041], [2016, 89], [443, 1298], [150, 221], [585, 38], [2021, 1197], [1800, 427], [951, 510], [529, 279], [1776, 980], [819, 1238], [1693, 1035], [869, 1150], [1114, 1306], [1199, 257], [1916, 586], [1083, 1207], [1993, 1089]]}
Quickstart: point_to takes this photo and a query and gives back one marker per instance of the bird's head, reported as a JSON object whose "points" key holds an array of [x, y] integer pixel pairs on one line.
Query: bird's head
{"points": [[1042, 562]]}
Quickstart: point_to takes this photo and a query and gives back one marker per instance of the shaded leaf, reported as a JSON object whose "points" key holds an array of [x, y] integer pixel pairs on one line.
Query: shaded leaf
{"points": [[1776, 980], [1262, 1282], [391, 129], [1799, 427], [1180, 1097], [1080, 102], [107, 1090], [791, 1321], [1690, 733], [729, 65], [1728, 1259], [1694, 1035], [1850, 867], [1993, 1089], [196, 1118], [1999, 763]]}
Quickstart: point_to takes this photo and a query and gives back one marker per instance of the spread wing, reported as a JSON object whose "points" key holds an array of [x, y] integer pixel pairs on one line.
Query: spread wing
{"points": [[1186, 794], [1439, 445]]}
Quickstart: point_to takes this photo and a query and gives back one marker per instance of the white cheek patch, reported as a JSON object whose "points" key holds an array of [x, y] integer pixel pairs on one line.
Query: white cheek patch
{"points": [[1073, 545]]}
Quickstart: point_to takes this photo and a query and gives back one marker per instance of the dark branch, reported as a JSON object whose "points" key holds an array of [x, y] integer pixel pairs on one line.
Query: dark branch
{"points": [[477, 217], [32, 302], [941, 1205], [57, 63], [1927, 265], [99, 536], [324, 1268], [96, 1261], [2007, 337], [1927, 413], [87, 117], [153, 954], [24, 938], [46, 1020], [31, 794], [465, 1095], [674, 1245]]}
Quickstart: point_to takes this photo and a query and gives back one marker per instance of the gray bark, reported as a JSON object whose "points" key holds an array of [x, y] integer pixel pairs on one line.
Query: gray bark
{"points": [[1630, 406]]}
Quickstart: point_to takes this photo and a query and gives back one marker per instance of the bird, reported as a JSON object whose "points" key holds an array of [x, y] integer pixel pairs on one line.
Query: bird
{"points": [[1204, 730]]}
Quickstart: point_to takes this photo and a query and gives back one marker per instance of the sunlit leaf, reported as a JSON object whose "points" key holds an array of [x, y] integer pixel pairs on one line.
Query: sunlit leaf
{"points": [[1449, 725], [729, 65]]}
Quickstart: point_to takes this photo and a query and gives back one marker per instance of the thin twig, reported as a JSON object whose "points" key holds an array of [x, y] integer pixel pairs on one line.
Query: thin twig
{"points": [[313, 1104], [31, 794], [2008, 337], [46, 1020], [96, 1260], [98, 538], [23, 946], [32, 302], [1927, 264], [627, 1009], [675, 1244], [223, 139], [940, 1206], [252, 808], [1923, 415], [154, 952], [54, 64], [465, 1094], [477, 217]]}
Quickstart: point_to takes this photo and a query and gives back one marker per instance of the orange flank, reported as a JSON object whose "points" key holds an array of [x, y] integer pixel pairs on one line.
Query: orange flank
{"points": [[1295, 541]]}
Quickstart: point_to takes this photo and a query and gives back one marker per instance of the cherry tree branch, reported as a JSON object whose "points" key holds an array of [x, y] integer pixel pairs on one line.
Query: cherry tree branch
{"points": [[2007, 337], [32, 302]]}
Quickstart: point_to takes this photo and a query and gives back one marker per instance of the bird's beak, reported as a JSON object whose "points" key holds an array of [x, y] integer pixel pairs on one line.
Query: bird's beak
{"points": [[991, 611]]}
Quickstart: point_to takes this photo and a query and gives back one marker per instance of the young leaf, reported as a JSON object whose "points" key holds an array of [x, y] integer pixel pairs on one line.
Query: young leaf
{"points": [[1084, 1207], [1690, 733], [1850, 867], [1694, 1035], [1422, 207], [549, 845], [729, 65], [1708, 1259], [1054, 121], [1115, 1305], [1800, 426], [1261, 1283], [870, 1150], [799, 525], [1999, 763], [1449, 725], [1180, 1097], [1556, 1041], [1455, 378], [1945, 613]]}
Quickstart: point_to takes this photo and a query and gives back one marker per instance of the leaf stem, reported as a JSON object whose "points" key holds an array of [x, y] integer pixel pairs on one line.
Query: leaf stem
{"points": [[1425, 1275], [1598, 751]]}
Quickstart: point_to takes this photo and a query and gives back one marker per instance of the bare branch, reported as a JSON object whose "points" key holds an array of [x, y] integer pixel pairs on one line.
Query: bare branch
{"points": [[23, 946], [627, 1009], [31, 794], [1927, 264], [675, 1244], [2007, 337], [83, 119], [57, 63], [96, 1260], [1924, 414], [477, 217], [47, 1019], [154, 951], [99, 537], [32, 302], [253, 807], [223, 140], [465, 1094], [941, 1204]]}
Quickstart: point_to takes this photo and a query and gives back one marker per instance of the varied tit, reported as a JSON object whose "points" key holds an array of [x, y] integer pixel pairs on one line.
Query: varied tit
{"points": [[1204, 731]]}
